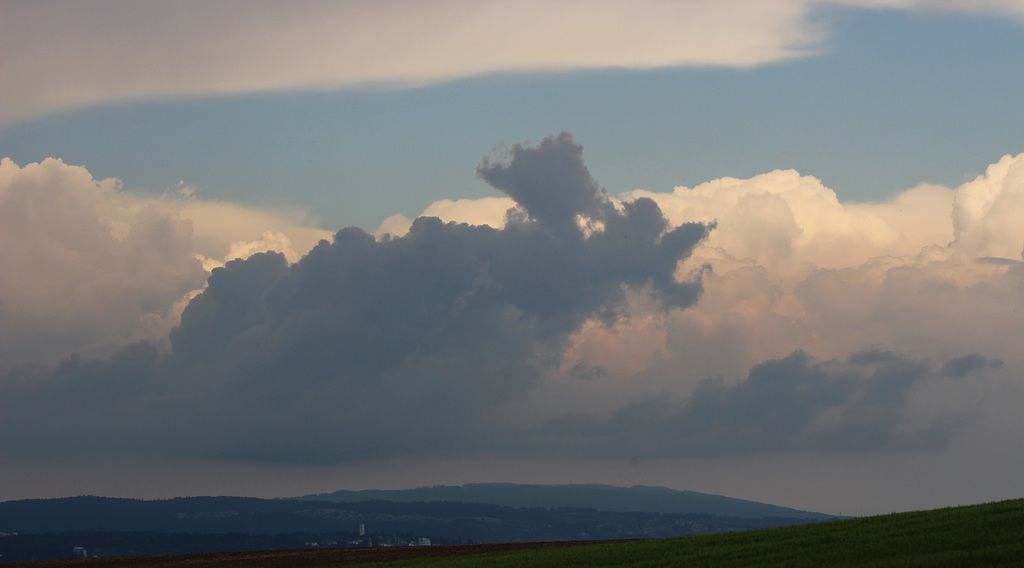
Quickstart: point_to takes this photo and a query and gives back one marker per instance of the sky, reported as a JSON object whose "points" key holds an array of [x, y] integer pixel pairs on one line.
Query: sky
{"points": [[768, 249]]}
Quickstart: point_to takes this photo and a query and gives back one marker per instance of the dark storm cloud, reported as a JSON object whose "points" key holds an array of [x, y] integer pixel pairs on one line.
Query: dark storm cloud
{"points": [[550, 182], [582, 372], [792, 403], [963, 366], [365, 347]]}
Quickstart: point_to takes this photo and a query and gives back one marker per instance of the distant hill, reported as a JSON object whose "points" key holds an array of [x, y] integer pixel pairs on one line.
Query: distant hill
{"points": [[41, 529], [635, 499]]}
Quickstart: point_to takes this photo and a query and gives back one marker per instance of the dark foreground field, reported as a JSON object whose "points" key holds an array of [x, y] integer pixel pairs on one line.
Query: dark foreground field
{"points": [[304, 558]]}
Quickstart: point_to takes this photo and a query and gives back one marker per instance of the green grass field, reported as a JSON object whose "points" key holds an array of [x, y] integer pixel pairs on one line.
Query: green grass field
{"points": [[978, 535]]}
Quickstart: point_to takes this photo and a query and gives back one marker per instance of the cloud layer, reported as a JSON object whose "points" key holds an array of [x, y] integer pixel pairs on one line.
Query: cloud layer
{"points": [[60, 54], [742, 317], [790, 404]]}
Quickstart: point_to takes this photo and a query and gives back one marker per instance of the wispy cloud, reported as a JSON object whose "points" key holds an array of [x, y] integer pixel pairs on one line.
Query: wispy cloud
{"points": [[64, 54]]}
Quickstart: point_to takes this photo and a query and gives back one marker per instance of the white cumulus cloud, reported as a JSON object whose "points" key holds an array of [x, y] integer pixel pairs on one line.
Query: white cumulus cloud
{"points": [[89, 266], [790, 267]]}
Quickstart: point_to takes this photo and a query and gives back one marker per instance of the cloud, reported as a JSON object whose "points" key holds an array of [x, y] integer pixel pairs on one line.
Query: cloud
{"points": [[488, 211], [967, 364], [60, 55], [63, 55], [985, 214], [550, 182], [97, 266], [562, 324], [854, 345], [1002, 7], [933, 272], [485, 211], [792, 223], [575, 325], [790, 269], [793, 403], [92, 263], [793, 268], [224, 231], [416, 339]]}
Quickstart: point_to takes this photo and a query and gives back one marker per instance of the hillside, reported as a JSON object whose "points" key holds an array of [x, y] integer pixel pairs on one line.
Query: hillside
{"points": [[990, 535]]}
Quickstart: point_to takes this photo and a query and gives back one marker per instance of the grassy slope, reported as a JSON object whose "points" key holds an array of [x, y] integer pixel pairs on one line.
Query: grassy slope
{"points": [[979, 535]]}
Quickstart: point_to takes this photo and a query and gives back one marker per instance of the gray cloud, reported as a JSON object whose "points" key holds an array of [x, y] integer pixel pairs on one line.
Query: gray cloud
{"points": [[789, 404], [365, 347], [963, 366], [550, 181]]}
